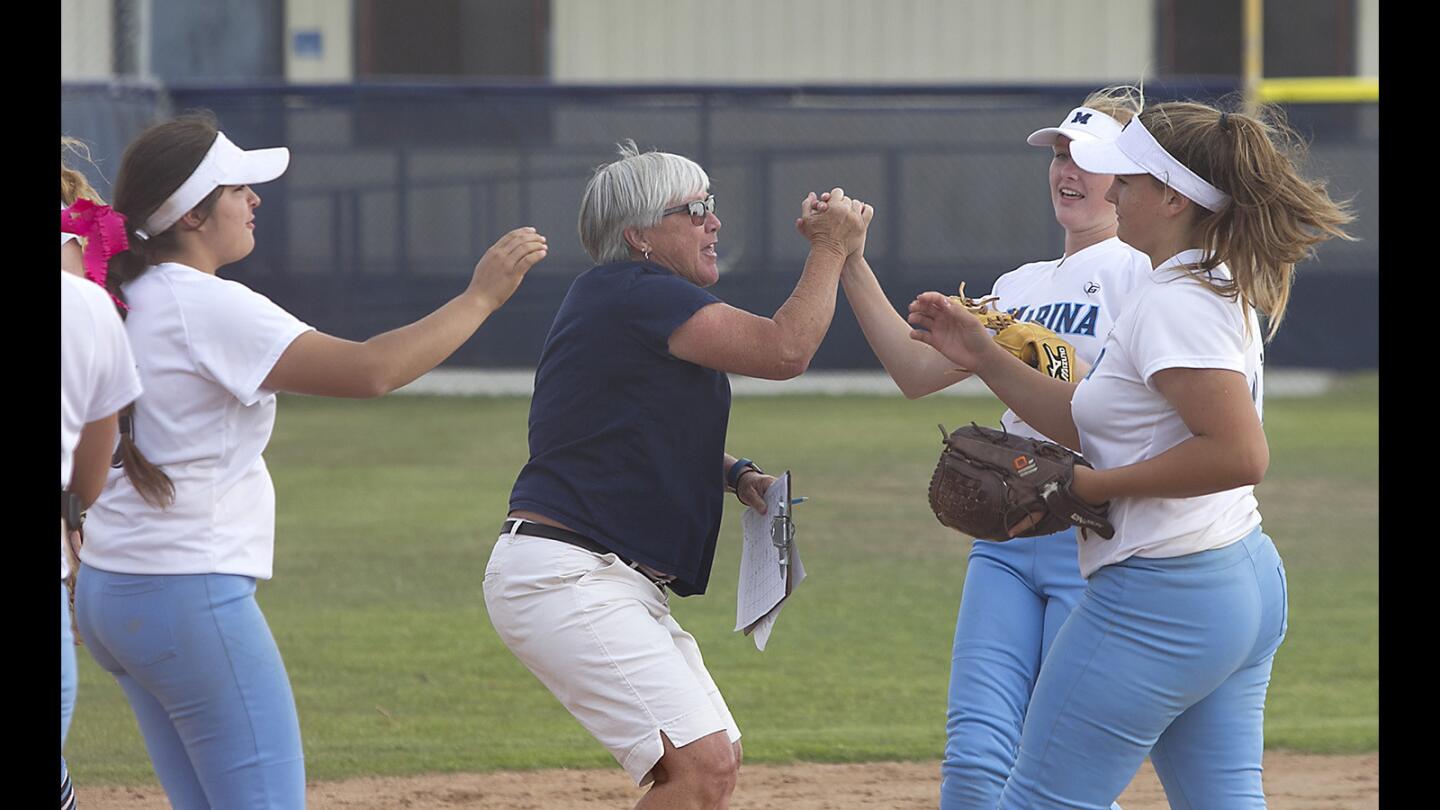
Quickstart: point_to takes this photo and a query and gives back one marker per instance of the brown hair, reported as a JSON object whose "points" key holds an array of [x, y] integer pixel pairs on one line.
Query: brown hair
{"points": [[153, 167], [73, 185], [1275, 216]]}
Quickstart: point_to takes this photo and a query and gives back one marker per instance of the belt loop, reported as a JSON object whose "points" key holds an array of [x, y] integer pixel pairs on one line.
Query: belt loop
{"points": [[514, 525]]}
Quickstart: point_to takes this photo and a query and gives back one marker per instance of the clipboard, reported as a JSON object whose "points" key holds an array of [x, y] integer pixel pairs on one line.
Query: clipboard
{"points": [[782, 531], [770, 566]]}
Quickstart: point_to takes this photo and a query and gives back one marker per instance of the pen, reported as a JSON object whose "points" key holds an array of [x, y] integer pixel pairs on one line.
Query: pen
{"points": [[801, 499]]}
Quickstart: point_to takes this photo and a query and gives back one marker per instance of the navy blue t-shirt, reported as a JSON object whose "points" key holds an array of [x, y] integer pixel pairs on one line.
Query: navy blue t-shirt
{"points": [[626, 440]]}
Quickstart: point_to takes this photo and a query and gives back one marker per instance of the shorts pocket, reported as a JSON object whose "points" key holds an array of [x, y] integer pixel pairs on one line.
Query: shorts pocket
{"points": [[495, 553], [604, 568]]}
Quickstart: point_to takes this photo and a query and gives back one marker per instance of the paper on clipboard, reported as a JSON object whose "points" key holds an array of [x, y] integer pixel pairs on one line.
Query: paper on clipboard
{"points": [[765, 582]]}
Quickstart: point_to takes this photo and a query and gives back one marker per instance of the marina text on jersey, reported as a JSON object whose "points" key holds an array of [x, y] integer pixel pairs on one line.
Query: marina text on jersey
{"points": [[1062, 318]]}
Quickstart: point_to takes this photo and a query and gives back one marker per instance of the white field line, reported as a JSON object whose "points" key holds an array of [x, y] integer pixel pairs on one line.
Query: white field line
{"points": [[521, 382]]}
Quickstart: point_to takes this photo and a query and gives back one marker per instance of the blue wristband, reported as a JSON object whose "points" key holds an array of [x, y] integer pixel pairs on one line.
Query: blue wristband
{"points": [[732, 477]]}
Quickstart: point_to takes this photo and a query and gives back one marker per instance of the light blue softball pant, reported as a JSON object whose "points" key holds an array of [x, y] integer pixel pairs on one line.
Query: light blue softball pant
{"points": [[67, 689], [204, 677], [67, 666], [1016, 596], [1165, 657]]}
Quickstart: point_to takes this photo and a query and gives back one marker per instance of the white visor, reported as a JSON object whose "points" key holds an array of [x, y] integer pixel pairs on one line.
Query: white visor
{"points": [[65, 237], [224, 165], [1136, 151], [1080, 124]]}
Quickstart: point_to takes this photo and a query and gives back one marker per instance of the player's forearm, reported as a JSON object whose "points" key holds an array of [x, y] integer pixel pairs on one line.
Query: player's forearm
{"points": [[1200, 465], [1042, 402], [804, 318], [915, 368], [91, 459], [400, 356]]}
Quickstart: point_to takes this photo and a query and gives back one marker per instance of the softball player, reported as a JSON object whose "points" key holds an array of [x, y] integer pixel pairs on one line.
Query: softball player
{"points": [[97, 379], [177, 540], [1017, 593], [1169, 651]]}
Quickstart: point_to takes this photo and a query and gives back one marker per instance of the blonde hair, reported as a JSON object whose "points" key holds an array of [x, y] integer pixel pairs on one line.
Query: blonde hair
{"points": [[1121, 102], [1275, 216], [73, 185]]}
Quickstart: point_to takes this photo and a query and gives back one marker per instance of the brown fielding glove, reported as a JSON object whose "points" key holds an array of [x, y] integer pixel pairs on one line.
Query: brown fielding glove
{"points": [[989, 480], [1036, 346]]}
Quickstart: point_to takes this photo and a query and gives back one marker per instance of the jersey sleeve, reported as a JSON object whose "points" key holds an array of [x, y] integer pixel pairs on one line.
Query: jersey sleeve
{"points": [[116, 383], [1184, 324], [237, 335], [659, 303]]}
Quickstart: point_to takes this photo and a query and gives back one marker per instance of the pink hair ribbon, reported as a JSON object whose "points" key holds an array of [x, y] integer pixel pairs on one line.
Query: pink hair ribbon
{"points": [[103, 229]]}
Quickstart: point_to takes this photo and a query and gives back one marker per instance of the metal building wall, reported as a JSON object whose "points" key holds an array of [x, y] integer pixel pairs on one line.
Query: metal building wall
{"points": [[923, 41], [216, 40], [318, 37], [1367, 31], [86, 39]]}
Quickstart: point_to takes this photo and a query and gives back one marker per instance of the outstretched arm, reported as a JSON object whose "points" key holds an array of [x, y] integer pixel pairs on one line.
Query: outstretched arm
{"points": [[324, 365], [916, 368], [780, 347]]}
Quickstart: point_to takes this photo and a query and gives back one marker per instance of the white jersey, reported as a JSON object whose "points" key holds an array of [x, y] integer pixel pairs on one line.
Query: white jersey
{"points": [[205, 346], [97, 370], [1077, 297], [1173, 321]]}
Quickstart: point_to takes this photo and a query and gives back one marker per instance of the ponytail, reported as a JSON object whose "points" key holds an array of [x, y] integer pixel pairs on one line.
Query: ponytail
{"points": [[1276, 216], [153, 167], [148, 479]]}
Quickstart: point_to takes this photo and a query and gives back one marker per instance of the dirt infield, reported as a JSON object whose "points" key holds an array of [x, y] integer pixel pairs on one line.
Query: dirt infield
{"points": [[1292, 782]]}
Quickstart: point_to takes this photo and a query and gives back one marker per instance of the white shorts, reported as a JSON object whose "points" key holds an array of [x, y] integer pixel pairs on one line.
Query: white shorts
{"points": [[599, 635]]}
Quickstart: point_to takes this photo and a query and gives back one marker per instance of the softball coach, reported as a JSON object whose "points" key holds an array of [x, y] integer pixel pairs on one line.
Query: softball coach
{"points": [[621, 499]]}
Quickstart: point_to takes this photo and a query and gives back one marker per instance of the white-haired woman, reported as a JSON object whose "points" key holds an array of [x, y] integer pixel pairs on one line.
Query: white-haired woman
{"points": [[1169, 651], [621, 499]]}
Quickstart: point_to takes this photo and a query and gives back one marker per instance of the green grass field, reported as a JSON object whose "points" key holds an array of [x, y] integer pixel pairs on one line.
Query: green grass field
{"points": [[388, 509]]}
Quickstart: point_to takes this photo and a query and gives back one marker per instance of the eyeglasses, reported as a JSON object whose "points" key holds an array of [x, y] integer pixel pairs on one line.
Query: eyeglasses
{"points": [[698, 210]]}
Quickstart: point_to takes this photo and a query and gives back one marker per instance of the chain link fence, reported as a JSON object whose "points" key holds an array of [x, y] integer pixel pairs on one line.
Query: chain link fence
{"points": [[394, 192]]}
